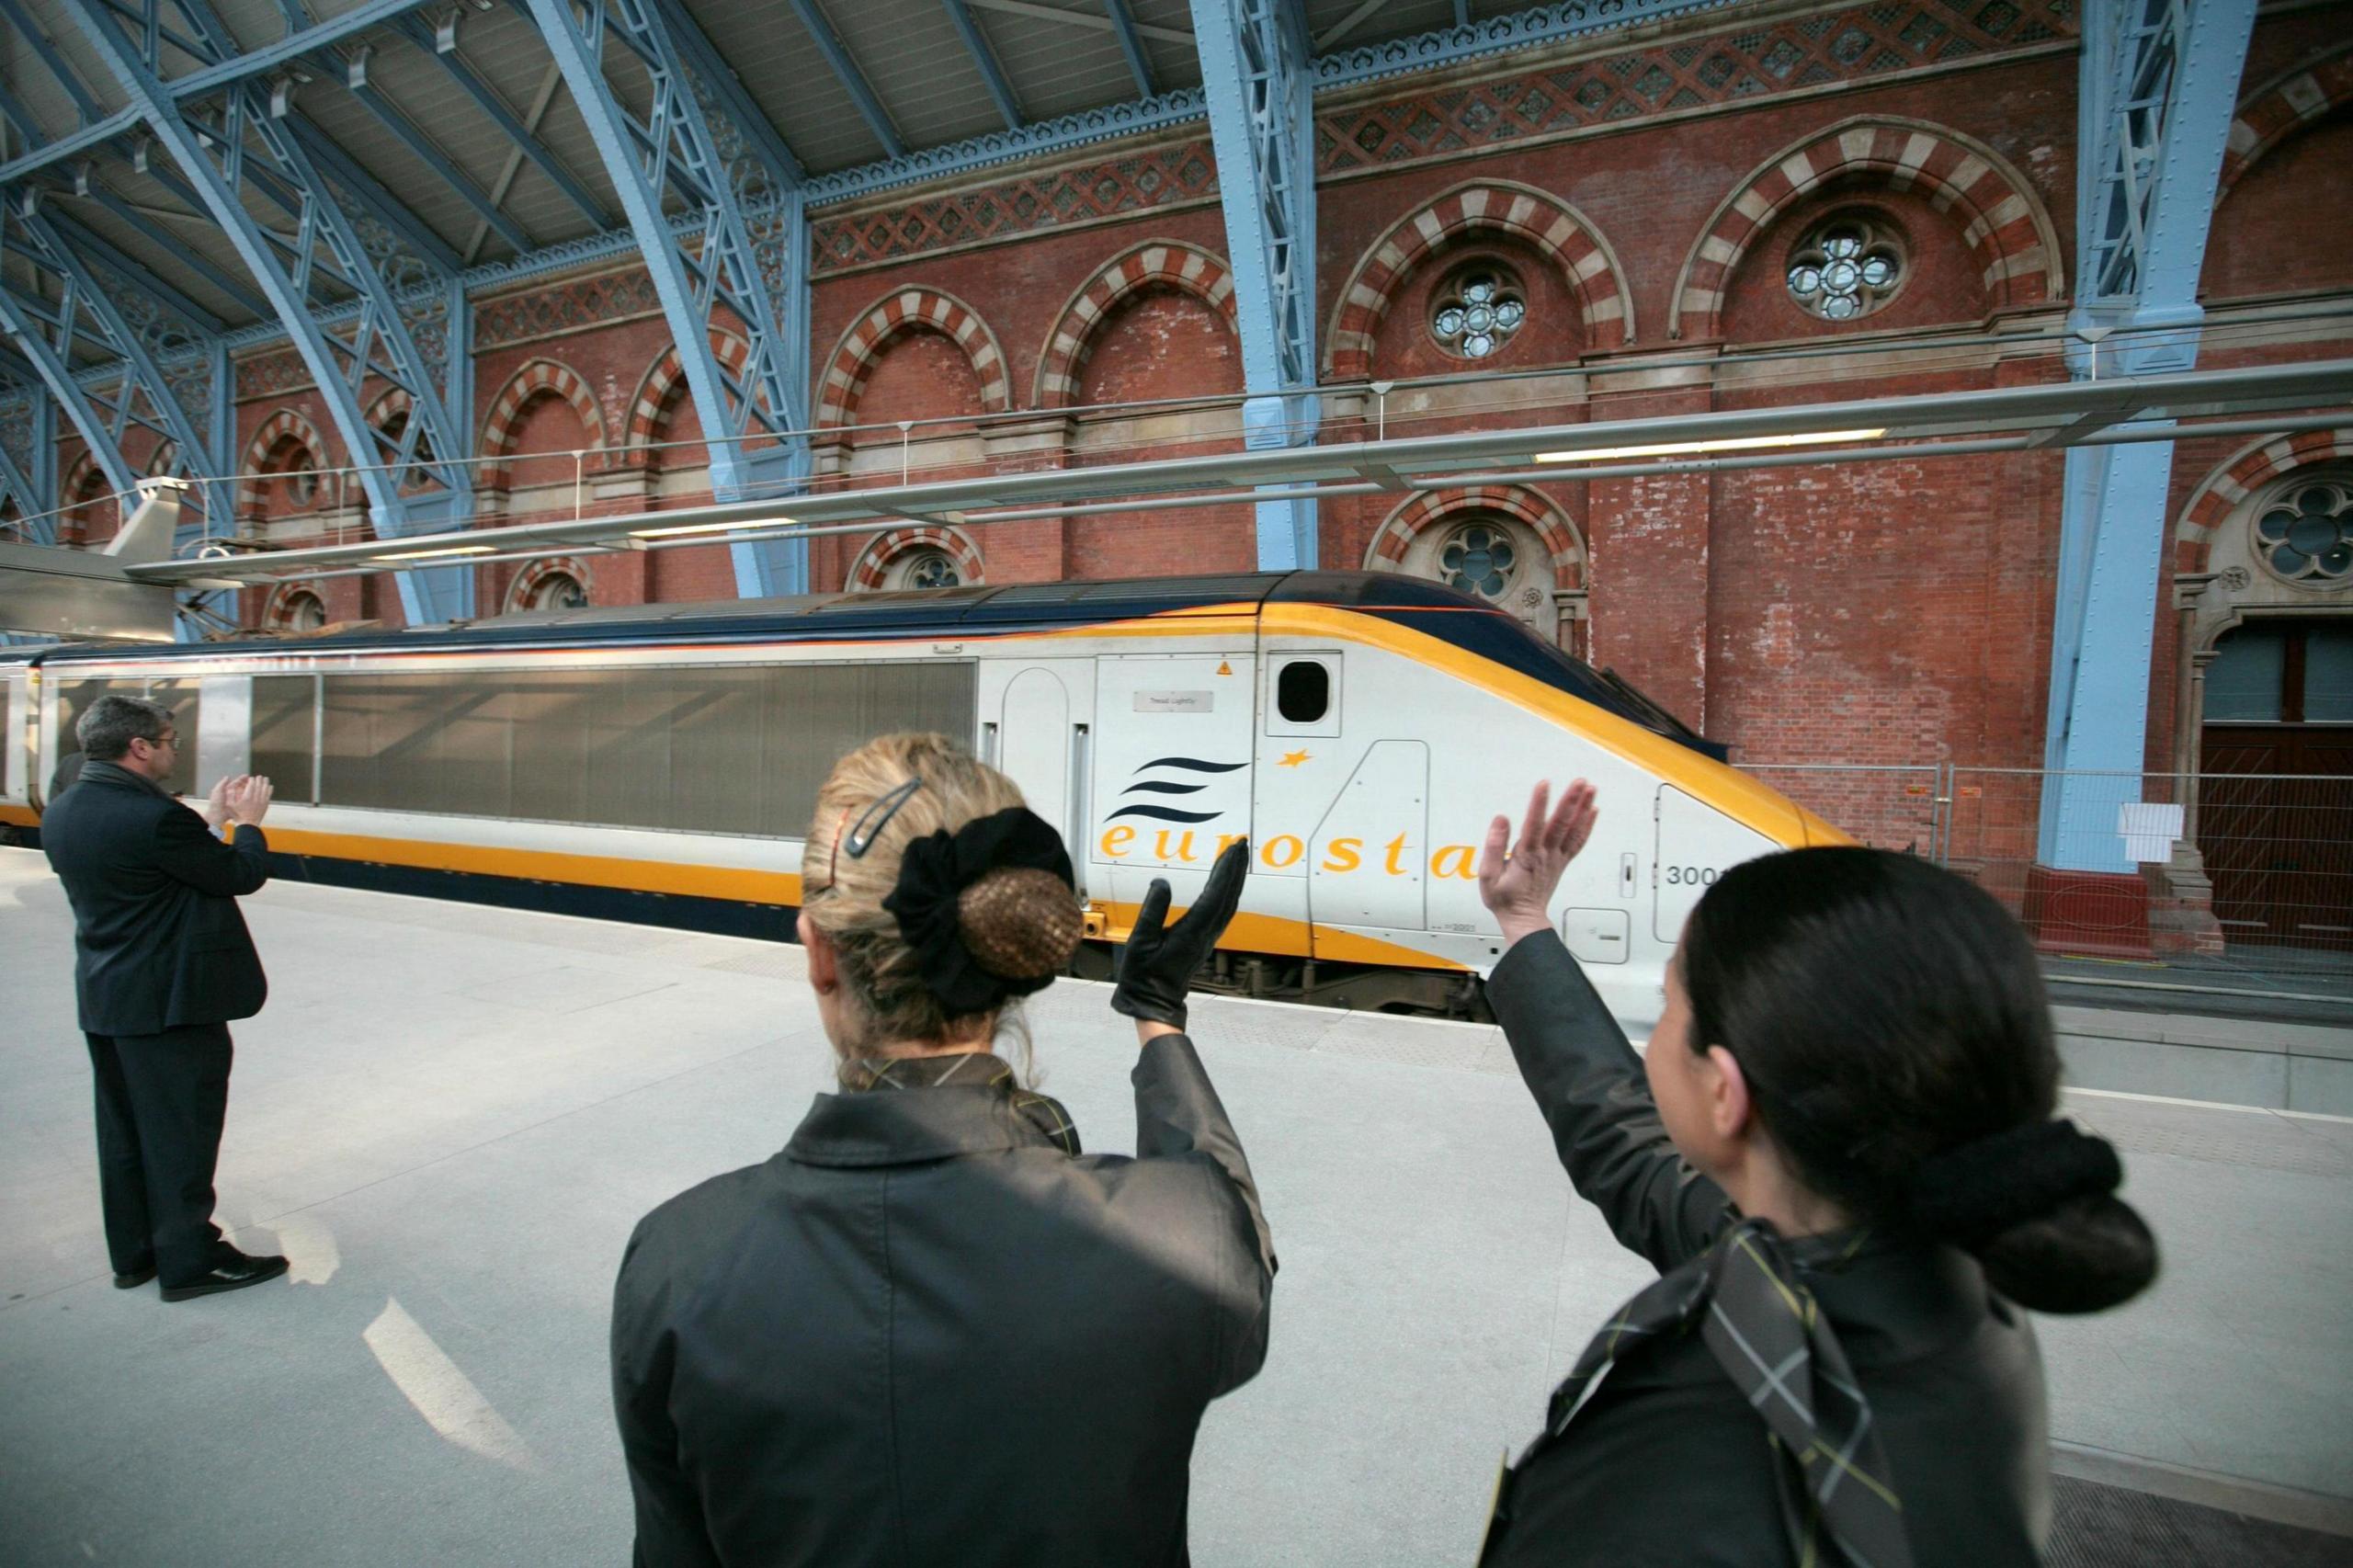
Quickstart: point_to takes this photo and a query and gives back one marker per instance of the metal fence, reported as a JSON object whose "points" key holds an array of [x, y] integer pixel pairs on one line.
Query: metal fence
{"points": [[2238, 874]]}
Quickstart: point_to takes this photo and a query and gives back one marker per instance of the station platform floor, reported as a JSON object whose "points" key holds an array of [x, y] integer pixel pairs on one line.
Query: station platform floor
{"points": [[449, 1117]]}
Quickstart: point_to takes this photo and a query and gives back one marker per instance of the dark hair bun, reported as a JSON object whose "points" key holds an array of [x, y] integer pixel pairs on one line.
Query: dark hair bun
{"points": [[2034, 1203], [1019, 924], [2084, 1256]]}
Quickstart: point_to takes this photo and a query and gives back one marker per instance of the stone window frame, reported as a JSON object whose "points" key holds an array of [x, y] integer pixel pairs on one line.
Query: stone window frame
{"points": [[2286, 499], [1452, 293], [1881, 232]]}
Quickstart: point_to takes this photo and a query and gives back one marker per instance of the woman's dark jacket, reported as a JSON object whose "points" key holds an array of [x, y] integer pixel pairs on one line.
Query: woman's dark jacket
{"points": [[1665, 1463], [923, 1333]]}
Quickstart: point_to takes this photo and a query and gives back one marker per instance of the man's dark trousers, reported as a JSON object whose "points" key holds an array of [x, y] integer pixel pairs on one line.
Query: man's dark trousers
{"points": [[162, 1102]]}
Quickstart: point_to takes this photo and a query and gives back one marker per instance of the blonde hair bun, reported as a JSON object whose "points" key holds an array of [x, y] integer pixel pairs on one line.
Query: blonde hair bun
{"points": [[1019, 924]]}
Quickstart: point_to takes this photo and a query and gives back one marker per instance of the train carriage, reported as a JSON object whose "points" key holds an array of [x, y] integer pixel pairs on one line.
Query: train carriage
{"points": [[662, 762]]}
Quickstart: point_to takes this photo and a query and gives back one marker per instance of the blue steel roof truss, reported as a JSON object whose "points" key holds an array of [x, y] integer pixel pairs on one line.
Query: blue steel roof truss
{"points": [[690, 146], [976, 44], [240, 146]]}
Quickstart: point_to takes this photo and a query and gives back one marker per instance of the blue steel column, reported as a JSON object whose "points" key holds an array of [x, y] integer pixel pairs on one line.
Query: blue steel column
{"points": [[2159, 83], [253, 146], [761, 282], [1258, 77]]}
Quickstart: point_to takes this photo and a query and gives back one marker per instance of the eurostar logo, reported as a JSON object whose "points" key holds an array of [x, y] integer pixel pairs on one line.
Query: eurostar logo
{"points": [[1180, 777]]}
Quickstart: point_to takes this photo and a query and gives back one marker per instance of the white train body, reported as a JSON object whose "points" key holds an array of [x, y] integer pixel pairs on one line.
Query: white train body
{"points": [[1361, 731]]}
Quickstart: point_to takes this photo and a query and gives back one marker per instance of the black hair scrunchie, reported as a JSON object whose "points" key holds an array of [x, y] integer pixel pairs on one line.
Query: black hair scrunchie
{"points": [[1971, 1194], [935, 872]]}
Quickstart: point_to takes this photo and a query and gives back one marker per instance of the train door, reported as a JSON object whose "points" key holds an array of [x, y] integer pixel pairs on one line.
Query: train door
{"points": [[1171, 772], [1036, 723], [1370, 853]]}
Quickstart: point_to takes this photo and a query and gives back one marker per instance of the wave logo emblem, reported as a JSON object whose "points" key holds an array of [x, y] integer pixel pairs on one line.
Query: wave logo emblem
{"points": [[1178, 778]]}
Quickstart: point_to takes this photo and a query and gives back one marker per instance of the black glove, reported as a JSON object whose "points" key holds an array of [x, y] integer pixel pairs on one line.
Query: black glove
{"points": [[1156, 966]]}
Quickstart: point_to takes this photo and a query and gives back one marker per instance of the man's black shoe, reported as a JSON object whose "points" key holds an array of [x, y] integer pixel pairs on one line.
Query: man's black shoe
{"points": [[136, 1278], [235, 1274]]}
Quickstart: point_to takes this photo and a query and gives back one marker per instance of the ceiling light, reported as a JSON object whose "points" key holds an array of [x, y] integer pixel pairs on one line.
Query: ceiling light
{"points": [[711, 529], [1729, 444], [434, 554]]}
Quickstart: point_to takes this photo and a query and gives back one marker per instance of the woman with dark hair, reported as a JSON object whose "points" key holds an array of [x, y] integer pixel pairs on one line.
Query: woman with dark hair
{"points": [[930, 1330], [1839, 1151]]}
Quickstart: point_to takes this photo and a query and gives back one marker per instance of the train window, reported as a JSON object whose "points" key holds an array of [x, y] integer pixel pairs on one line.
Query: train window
{"points": [[285, 737], [74, 697], [1304, 691], [737, 749]]}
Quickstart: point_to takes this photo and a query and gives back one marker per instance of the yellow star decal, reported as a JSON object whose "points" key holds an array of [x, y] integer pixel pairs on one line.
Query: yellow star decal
{"points": [[1293, 759]]}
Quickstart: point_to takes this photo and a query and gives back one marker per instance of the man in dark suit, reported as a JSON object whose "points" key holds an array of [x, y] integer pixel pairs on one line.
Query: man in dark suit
{"points": [[162, 964]]}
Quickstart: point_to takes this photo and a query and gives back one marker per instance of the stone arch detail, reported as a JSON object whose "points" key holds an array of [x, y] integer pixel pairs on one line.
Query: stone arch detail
{"points": [[662, 379], [1563, 234], [277, 610], [2273, 112], [873, 567], [536, 379], [2005, 224], [2222, 492], [898, 312], [280, 425], [1562, 541], [534, 573], [1153, 264]]}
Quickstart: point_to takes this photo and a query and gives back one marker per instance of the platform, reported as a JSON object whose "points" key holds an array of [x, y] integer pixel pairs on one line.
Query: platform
{"points": [[449, 1118]]}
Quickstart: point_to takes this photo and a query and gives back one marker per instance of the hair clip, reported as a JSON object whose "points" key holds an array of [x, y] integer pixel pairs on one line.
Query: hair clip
{"points": [[862, 838]]}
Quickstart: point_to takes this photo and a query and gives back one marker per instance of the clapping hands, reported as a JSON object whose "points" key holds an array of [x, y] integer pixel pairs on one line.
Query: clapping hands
{"points": [[243, 798]]}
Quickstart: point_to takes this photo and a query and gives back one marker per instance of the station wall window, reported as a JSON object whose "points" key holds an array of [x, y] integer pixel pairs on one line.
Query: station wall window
{"points": [[74, 697], [735, 749]]}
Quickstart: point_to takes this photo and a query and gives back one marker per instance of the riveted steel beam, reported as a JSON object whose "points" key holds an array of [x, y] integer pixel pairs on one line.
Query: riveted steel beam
{"points": [[1256, 74], [2158, 85], [240, 143], [747, 277]]}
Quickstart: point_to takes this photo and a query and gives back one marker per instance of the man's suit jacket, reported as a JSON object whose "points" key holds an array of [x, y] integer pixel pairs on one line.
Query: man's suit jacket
{"points": [[158, 941]]}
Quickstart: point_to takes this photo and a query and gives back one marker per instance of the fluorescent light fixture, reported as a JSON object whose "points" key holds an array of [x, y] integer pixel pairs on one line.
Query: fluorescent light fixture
{"points": [[1729, 444], [436, 554], [711, 529]]}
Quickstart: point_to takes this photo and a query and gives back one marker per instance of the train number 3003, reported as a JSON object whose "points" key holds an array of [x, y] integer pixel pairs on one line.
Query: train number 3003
{"points": [[1690, 876]]}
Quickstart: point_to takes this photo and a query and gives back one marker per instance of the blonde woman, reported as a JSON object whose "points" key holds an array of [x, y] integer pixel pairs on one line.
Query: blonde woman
{"points": [[930, 1330]]}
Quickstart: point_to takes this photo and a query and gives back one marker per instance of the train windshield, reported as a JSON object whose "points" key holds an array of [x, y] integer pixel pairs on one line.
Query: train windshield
{"points": [[1511, 643]]}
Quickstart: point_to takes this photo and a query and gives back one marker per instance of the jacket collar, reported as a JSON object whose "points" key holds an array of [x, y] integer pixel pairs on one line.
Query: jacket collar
{"points": [[870, 1129], [115, 774]]}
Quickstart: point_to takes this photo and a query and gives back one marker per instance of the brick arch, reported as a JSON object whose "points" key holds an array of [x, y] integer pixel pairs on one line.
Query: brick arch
{"points": [[534, 573], [2248, 470], [873, 564], [1431, 509], [1565, 236], [278, 609], [898, 312], [661, 383], [82, 467], [280, 425], [2005, 223], [2275, 111], [1155, 264], [538, 379]]}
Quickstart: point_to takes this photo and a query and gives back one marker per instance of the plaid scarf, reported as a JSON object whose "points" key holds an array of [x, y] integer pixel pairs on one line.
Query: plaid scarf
{"points": [[975, 1068], [1768, 1336]]}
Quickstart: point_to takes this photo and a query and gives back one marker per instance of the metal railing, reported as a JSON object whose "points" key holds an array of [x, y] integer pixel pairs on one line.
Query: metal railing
{"points": [[2215, 875]]}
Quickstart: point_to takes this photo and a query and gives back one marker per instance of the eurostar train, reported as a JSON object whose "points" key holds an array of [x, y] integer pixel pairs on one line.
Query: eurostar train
{"points": [[660, 762]]}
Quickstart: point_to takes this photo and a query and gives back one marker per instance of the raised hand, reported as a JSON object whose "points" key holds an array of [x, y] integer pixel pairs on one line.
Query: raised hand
{"points": [[248, 799], [216, 802], [1516, 884], [1157, 967]]}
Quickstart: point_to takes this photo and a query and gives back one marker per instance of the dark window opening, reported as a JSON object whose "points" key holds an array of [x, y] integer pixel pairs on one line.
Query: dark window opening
{"points": [[1303, 692]]}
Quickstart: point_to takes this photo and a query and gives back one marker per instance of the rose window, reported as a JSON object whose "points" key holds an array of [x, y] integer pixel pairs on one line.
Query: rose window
{"points": [[1477, 310], [1479, 561], [2306, 536], [1845, 267], [932, 569], [558, 590]]}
